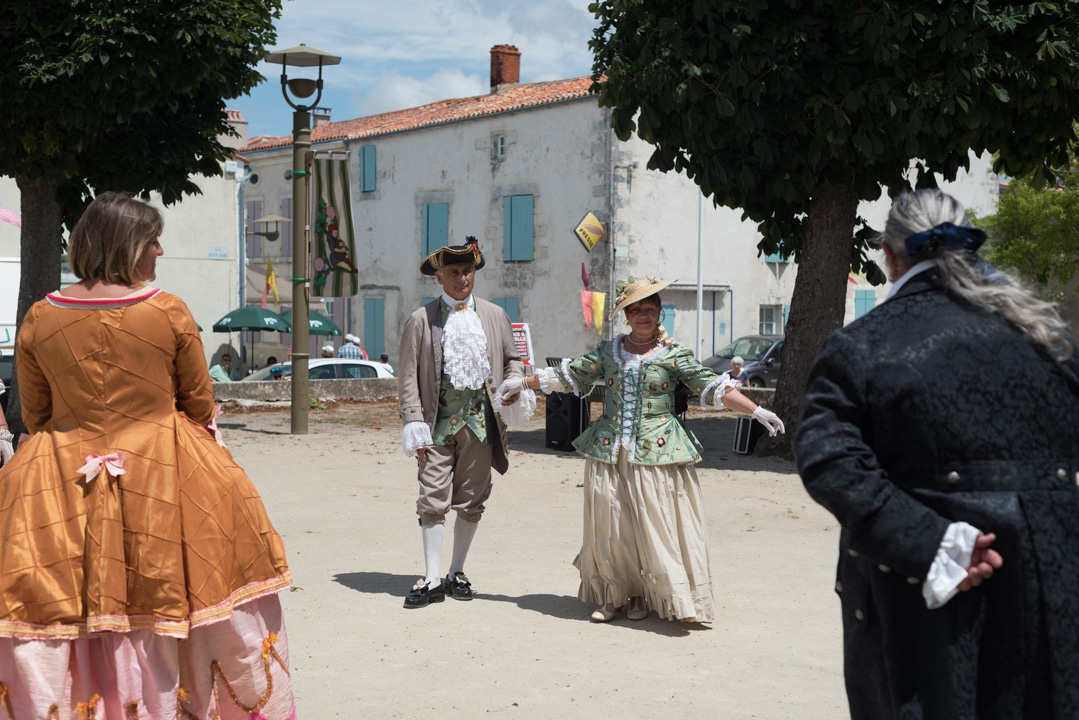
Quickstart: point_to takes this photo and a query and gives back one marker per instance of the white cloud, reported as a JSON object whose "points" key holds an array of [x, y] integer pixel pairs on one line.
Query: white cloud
{"points": [[394, 91]]}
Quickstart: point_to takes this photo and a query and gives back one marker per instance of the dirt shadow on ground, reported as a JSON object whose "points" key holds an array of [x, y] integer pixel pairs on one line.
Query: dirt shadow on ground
{"points": [[563, 607]]}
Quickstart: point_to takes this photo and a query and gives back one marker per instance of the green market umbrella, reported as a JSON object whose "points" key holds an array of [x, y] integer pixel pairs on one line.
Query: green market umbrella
{"points": [[318, 323], [252, 318]]}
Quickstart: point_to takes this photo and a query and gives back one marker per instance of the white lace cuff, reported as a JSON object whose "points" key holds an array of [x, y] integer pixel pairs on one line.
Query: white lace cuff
{"points": [[519, 412], [949, 568], [563, 373], [723, 382], [549, 381], [415, 435]]}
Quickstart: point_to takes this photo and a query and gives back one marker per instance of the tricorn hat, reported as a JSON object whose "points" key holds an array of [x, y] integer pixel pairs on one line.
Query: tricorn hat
{"points": [[632, 290], [453, 255]]}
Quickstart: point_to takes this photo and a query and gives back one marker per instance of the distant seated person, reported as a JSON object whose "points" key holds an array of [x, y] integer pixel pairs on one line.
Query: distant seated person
{"points": [[385, 360], [276, 374], [353, 348], [272, 360], [327, 351], [222, 371], [736, 372]]}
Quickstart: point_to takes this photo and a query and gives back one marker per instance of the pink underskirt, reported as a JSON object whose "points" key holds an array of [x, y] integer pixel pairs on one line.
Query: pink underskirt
{"points": [[235, 669]]}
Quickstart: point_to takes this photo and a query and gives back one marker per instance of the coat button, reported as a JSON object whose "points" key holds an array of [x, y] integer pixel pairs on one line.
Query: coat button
{"points": [[913, 580], [1062, 474], [859, 614], [953, 477], [838, 587], [852, 552], [884, 568]]}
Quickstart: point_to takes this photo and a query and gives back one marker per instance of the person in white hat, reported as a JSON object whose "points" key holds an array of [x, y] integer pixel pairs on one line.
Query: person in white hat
{"points": [[353, 348]]}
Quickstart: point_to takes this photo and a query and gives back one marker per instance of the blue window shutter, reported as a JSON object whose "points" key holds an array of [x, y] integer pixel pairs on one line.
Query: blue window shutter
{"points": [[368, 168], [786, 314], [522, 227], [774, 258], [435, 219], [424, 301], [864, 301], [374, 326], [517, 227], [507, 228], [510, 305], [666, 319]]}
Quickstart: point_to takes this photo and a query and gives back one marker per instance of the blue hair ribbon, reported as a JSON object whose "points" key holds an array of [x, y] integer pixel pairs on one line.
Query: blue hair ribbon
{"points": [[952, 237]]}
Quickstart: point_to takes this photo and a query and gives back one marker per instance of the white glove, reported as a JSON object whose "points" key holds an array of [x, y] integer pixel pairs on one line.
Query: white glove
{"points": [[6, 449], [416, 435], [509, 388], [770, 420]]}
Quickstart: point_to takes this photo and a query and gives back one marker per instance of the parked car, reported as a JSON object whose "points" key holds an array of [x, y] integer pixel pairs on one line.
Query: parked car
{"points": [[328, 369], [761, 354]]}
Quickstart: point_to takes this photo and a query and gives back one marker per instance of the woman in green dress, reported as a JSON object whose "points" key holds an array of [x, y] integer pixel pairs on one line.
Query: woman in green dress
{"points": [[644, 543]]}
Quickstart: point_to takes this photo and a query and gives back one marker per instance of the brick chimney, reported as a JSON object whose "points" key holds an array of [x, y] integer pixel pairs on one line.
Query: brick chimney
{"points": [[505, 66]]}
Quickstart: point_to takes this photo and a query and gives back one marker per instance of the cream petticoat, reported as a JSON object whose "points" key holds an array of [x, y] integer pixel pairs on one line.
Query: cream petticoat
{"points": [[234, 669], [644, 535]]}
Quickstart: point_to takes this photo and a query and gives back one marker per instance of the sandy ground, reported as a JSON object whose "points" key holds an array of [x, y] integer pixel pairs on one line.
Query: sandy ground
{"points": [[343, 499]]}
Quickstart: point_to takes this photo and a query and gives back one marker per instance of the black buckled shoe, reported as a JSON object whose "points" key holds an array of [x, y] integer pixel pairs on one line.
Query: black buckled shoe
{"points": [[421, 595], [458, 586]]}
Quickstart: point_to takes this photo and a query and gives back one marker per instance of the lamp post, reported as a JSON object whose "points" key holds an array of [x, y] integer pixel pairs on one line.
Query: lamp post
{"points": [[302, 88]]}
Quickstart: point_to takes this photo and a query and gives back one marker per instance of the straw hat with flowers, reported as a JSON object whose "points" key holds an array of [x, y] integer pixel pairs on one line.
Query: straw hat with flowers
{"points": [[632, 290]]}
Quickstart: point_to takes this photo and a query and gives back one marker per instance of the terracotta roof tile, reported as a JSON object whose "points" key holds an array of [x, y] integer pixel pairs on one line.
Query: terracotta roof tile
{"points": [[506, 99]]}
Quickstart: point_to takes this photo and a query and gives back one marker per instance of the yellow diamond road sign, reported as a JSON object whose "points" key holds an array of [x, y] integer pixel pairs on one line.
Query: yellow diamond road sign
{"points": [[589, 231]]}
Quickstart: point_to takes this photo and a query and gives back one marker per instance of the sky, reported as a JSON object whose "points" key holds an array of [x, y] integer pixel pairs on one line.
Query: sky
{"points": [[403, 54]]}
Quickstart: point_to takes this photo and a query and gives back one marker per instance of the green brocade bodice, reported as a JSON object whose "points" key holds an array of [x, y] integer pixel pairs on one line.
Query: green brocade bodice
{"points": [[638, 403]]}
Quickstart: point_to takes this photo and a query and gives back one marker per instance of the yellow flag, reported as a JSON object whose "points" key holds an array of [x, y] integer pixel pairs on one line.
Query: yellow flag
{"points": [[271, 282], [598, 301]]}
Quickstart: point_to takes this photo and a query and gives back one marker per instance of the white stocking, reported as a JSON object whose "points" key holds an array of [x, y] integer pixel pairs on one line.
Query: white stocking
{"points": [[463, 532], [432, 551]]}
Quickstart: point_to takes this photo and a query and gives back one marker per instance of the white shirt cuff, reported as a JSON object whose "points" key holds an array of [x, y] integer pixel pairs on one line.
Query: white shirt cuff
{"points": [[549, 382], [416, 435], [949, 568]]}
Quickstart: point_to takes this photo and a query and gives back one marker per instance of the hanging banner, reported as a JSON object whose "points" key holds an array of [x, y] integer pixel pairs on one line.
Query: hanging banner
{"points": [[598, 301], [522, 339], [331, 236]]}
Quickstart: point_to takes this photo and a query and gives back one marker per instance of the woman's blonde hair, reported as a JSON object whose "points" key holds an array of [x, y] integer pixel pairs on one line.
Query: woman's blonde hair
{"points": [[110, 237], [924, 210]]}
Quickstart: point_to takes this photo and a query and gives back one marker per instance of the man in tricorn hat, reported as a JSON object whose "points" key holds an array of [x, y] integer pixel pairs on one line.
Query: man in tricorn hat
{"points": [[455, 352]]}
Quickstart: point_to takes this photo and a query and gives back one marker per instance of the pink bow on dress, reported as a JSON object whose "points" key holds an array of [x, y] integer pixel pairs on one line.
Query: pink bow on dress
{"points": [[113, 463]]}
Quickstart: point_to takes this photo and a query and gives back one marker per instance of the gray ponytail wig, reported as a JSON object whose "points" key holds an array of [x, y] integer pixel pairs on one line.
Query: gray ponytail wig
{"points": [[926, 209]]}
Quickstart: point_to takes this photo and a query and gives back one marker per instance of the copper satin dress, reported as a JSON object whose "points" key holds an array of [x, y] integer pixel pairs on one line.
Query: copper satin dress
{"points": [[146, 588]]}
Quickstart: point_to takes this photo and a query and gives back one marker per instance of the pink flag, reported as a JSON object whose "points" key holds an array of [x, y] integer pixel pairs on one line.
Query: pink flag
{"points": [[584, 276], [586, 307]]}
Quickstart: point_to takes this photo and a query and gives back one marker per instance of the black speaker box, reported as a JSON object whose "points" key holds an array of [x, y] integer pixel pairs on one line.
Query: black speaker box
{"points": [[567, 417], [747, 432]]}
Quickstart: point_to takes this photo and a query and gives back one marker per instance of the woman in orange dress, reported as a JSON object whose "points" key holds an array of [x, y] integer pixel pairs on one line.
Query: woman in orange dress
{"points": [[138, 570]]}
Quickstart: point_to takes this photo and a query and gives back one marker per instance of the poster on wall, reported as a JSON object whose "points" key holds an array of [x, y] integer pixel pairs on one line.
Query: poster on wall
{"points": [[331, 234], [522, 338]]}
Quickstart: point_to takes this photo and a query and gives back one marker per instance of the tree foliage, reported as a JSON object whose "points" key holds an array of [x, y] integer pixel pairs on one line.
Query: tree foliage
{"points": [[793, 109], [124, 95], [761, 101], [1036, 231]]}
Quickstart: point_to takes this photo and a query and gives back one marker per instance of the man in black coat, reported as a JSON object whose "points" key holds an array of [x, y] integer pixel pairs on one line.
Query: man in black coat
{"points": [[946, 442]]}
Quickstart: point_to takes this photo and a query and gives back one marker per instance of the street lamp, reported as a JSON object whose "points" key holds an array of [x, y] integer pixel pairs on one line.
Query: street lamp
{"points": [[270, 235], [301, 88]]}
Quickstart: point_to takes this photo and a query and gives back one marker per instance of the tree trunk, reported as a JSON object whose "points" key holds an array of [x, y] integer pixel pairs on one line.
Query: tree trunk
{"points": [[39, 263], [818, 302]]}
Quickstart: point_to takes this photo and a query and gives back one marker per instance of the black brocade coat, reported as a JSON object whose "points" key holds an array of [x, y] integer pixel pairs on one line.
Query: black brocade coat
{"points": [[924, 412]]}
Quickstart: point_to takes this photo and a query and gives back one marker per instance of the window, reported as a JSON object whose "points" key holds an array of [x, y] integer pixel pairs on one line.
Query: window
{"points": [[286, 227], [367, 166], [374, 326], [424, 301], [666, 319], [510, 305], [786, 316], [864, 301], [253, 209], [358, 371], [498, 147], [435, 222], [774, 258], [767, 321], [517, 227]]}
